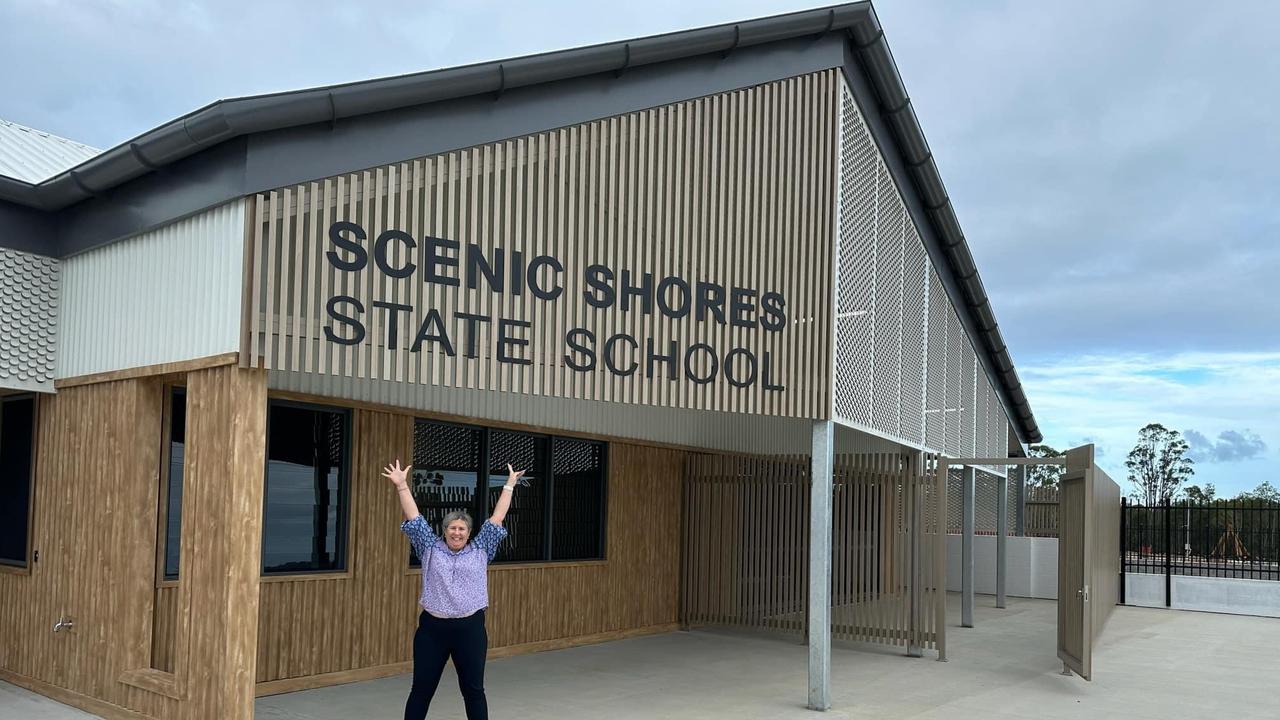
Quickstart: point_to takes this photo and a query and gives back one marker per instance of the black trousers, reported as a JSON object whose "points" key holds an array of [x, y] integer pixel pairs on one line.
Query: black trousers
{"points": [[463, 639]]}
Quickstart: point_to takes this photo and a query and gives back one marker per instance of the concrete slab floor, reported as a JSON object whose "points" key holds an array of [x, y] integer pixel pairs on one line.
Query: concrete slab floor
{"points": [[1152, 664]]}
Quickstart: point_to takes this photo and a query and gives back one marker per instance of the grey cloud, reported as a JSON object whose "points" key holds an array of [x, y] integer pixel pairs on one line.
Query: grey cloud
{"points": [[1231, 446], [1127, 146]]}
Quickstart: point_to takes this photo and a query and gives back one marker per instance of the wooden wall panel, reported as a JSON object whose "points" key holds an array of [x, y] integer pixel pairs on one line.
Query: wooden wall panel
{"points": [[164, 628], [96, 498], [735, 189], [94, 530], [365, 618]]}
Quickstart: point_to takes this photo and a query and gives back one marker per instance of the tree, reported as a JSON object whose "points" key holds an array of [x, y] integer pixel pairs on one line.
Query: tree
{"points": [[1265, 492], [1158, 464], [1201, 496], [1043, 476]]}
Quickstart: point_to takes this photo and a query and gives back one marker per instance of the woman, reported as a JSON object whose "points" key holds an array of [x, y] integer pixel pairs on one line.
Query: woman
{"points": [[455, 593]]}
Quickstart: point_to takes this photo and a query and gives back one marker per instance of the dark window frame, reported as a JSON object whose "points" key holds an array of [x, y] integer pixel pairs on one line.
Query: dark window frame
{"points": [[24, 565], [481, 510], [342, 535]]}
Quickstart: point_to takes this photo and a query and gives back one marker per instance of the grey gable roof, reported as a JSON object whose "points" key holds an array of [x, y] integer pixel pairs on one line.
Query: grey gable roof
{"points": [[225, 120]]}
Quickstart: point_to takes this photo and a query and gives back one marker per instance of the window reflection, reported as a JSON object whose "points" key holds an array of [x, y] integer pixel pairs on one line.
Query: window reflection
{"points": [[306, 494]]}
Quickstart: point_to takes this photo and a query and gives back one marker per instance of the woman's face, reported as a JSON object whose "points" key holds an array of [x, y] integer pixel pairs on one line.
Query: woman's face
{"points": [[455, 536]]}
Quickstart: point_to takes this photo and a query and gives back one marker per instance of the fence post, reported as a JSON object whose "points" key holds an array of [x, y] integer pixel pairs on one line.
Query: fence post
{"points": [[1124, 543], [1168, 552]]}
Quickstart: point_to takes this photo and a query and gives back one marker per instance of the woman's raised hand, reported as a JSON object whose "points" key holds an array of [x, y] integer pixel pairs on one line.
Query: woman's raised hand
{"points": [[397, 475], [513, 475]]}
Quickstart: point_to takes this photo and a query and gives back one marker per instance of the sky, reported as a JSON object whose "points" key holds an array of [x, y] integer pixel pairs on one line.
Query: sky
{"points": [[1115, 165]]}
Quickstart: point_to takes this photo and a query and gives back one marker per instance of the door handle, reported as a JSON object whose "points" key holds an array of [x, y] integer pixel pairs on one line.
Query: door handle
{"points": [[63, 624], [1084, 593]]}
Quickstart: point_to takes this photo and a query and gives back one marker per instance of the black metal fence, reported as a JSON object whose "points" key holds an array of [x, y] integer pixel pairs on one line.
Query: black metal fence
{"points": [[1219, 539]]}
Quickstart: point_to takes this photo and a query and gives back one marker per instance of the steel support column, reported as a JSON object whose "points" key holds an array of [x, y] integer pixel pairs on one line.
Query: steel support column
{"points": [[969, 476], [1002, 540], [820, 565]]}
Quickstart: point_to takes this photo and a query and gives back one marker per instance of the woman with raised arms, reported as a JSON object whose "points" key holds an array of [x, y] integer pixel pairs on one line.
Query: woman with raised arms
{"points": [[455, 593]]}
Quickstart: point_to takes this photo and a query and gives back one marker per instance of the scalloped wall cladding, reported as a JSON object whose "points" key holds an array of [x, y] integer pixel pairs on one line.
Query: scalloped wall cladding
{"points": [[29, 309]]}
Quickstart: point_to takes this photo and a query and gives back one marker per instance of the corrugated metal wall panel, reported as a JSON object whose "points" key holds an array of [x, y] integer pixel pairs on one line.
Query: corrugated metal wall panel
{"points": [[28, 320], [167, 295]]}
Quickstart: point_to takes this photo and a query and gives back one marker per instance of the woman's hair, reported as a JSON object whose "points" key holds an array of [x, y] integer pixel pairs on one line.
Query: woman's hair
{"points": [[455, 515]]}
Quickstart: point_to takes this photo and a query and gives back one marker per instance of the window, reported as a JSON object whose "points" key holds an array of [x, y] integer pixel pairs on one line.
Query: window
{"points": [[526, 522], [577, 518], [559, 516], [17, 440], [176, 451], [304, 523], [446, 470]]}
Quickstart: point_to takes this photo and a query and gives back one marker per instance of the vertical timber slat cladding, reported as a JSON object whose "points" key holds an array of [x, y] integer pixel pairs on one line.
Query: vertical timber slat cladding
{"points": [[567, 263], [92, 475], [365, 617], [745, 559], [96, 509]]}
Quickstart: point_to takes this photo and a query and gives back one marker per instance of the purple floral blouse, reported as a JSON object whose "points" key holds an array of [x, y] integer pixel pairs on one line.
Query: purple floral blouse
{"points": [[454, 584]]}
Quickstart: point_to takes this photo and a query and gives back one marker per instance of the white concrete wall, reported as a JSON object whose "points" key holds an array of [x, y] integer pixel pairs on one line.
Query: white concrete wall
{"points": [[1224, 595], [1033, 566], [1033, 572]]}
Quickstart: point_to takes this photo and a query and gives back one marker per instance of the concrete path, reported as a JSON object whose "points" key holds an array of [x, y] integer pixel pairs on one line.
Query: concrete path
{"points": [[1152, 664], [18, 703]]}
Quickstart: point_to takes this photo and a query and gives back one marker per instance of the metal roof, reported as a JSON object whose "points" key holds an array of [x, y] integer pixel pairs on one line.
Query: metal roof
{"points": [[34, 156], [224, 120]]}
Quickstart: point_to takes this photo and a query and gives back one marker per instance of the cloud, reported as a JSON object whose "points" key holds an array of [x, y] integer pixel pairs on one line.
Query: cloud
{"points": [[1231, 446], [1110, 198], [1106, 399]]}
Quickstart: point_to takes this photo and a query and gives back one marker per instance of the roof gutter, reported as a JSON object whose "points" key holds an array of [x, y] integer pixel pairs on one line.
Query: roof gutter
{"points": [[226, 119]]}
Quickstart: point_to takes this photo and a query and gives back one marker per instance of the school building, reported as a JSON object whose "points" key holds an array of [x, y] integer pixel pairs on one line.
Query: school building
{"points": [[707, 286]]}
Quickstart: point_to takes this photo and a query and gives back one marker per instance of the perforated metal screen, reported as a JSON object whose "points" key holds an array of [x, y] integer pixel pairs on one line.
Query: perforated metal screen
{"points": [[986, 502], [905, 367]]}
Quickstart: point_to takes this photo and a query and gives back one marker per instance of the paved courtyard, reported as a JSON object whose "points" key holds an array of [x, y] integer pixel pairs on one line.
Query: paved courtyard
{"points": [[1151, 663]]}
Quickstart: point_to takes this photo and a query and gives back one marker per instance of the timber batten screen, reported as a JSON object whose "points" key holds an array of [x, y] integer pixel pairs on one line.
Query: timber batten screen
{"points": [[486, 268], [746, 546]]}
